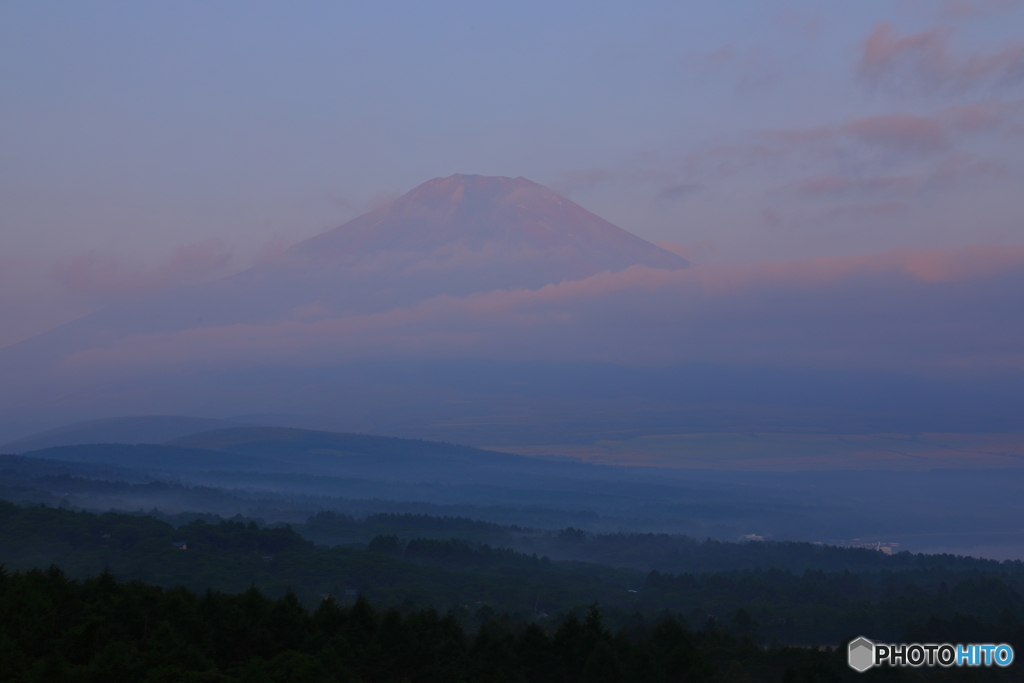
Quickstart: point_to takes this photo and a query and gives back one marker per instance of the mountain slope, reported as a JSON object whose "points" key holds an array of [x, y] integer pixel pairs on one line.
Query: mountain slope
{"points": [[504, 232], [449, 236], [124, 430]]}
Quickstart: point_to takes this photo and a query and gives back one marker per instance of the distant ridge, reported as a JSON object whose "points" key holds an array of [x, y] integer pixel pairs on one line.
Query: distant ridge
{"points": [[126, 430]]}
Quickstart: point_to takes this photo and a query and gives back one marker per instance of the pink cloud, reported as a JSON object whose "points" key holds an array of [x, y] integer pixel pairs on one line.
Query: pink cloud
{"points": [[899, 130], [925, 62], [935, 265], [863, 169], [957, 168], [949, 265], [877, 141], [883, 51], [109, 276], [950, 169], [891, 137], [967, 8], [981, 116], [903, 307]]}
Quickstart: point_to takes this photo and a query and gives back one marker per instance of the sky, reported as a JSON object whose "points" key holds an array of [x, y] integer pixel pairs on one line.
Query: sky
{"points": [[145, 146]]}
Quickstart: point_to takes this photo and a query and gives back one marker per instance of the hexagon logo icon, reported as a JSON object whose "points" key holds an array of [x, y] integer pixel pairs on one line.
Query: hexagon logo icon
{"points": [[860, 654]]}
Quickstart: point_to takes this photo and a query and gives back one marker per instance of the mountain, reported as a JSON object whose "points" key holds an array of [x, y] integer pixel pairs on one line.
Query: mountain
{"points": [[467, 234], [124, 430], [454, 236], [447, 239]]}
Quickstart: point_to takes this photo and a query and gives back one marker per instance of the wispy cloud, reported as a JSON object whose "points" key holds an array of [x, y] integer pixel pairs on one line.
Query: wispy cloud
{"points": [[925, 62], [904, 131], [701, 251], [960, 9], [111, 277], [864, 170], [950, 170], [898, 309]]}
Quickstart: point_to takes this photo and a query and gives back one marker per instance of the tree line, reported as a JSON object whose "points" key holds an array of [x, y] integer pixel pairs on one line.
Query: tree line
{"points": [[55, 629], [474, 580]]}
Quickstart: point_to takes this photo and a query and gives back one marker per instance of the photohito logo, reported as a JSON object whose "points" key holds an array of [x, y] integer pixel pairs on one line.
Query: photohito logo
{"points": [[862, 654]]}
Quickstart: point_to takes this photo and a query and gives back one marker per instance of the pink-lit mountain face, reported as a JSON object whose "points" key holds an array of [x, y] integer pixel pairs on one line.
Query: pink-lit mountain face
{"points": [[457, 236], [480, 225], [454, 236], [427, 280]]}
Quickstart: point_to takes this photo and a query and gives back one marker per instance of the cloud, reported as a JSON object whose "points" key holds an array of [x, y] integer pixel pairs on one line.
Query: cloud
{"points": [[898, 177], [950, 265], [900, 309], [950, 170], [112, 277], [891, 140], [888, 139], [957, 168], [924, 62], [916, 133], [876, 166], [981, 116], [960, 9], [699, 252], [876, 160]]}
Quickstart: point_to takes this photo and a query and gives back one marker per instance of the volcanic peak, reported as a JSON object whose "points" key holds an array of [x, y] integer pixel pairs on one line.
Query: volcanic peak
{"points": [[473, 221]]}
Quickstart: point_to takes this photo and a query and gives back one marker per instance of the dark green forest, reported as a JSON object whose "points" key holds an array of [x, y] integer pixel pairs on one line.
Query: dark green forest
{"points": [[644, 551], [485, 591], [101, 629]]}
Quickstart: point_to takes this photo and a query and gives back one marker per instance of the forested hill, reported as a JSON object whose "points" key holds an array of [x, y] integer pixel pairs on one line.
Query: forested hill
{"points": [[53, 629], [476, 580], [100, 629], [644, 551]]}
